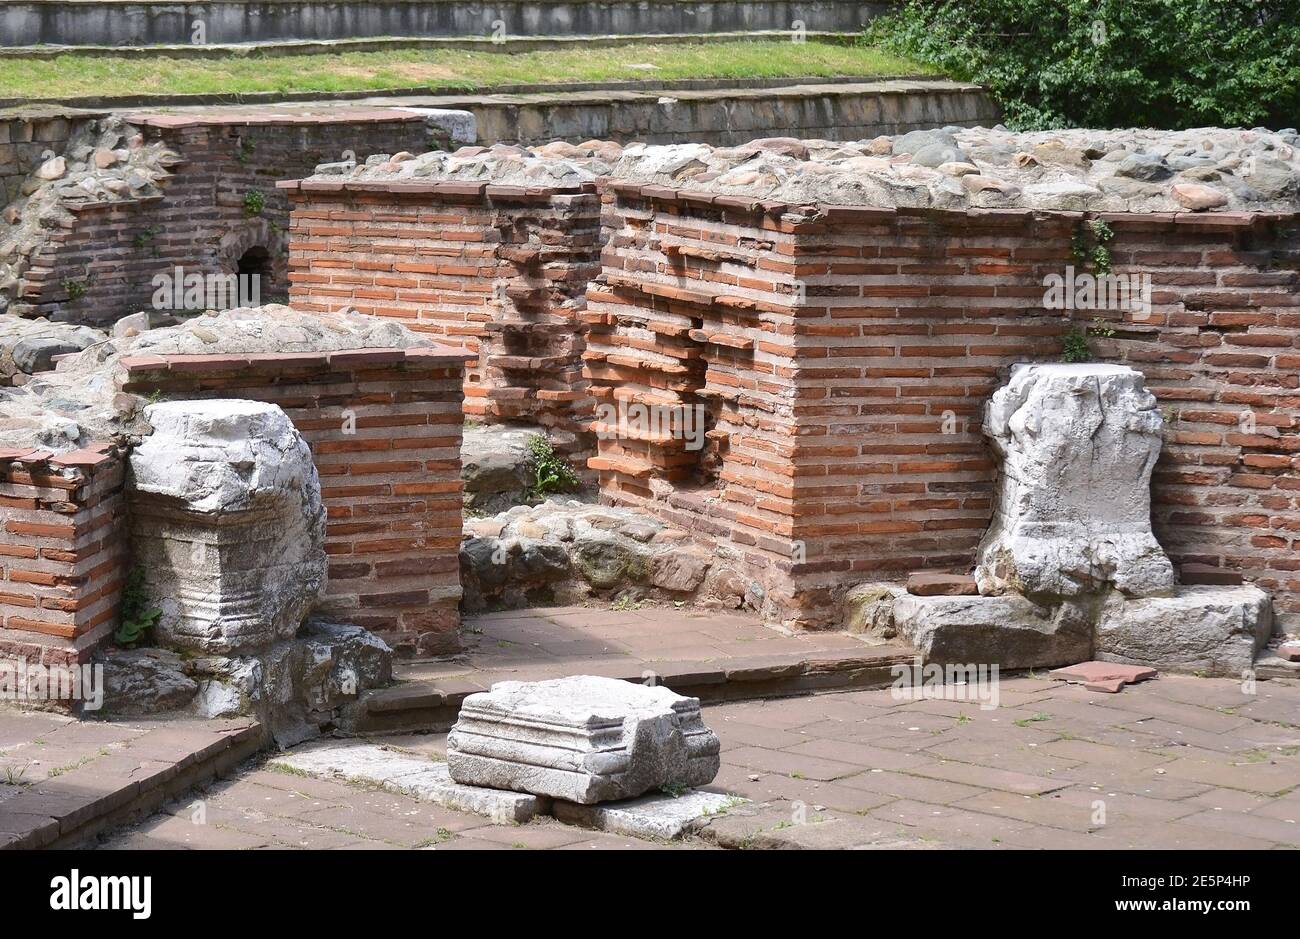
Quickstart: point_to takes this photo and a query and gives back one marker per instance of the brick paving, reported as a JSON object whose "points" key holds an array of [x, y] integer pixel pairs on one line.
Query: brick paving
{"points": [[1180, 762], [62, 780]]}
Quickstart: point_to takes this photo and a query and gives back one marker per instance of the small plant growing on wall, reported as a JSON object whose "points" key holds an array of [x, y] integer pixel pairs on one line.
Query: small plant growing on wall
{"points": [[1075, 342], [146, 239], [551, 473], [1088, 245], [138, 619], [75, 289], [254, 203], [244, 152]]}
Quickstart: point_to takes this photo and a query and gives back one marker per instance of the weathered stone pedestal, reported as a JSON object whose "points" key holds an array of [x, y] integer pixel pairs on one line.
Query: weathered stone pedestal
{"points": [[227, 524], [1069, 567], [227, 532], [585, 739], [1072, 513]]}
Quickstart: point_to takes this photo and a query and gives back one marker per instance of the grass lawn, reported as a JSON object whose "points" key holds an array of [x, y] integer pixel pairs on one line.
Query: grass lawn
{"points": [[72, 76]]}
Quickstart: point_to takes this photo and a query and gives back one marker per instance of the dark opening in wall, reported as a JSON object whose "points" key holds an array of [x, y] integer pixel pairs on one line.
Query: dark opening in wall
{"points": [[255, 266]]}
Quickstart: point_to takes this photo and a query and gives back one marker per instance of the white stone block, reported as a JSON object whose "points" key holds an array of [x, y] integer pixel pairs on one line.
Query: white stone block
{"points": [[420, 778], [584, 739], [227, 524], [1072, 514]]}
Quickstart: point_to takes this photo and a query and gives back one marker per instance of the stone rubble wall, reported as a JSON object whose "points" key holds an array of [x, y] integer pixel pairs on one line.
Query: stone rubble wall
{"points": [[192, 213], [499, 269], [26, 135]]}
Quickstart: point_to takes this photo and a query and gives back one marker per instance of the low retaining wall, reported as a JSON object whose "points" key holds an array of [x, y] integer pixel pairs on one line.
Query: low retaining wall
{"points": [[60, 22], [728, 116]]}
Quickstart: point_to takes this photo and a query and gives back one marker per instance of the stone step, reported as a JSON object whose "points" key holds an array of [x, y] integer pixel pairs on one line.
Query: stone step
{"points": [[101, 792], [431, 705]]}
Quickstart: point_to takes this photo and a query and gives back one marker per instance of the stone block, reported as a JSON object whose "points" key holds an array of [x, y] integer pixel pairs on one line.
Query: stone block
{"points": [[658, 815], [227, 524], [418, 777], [942, 585], [584, 739], [868, 609], [1072, 512], [1216, 630], [1010, 631]]}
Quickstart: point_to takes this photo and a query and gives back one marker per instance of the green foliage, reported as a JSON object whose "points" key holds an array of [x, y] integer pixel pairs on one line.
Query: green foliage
{"points": [[254, 203], [1075, 342], [75, 289], [1088, 245], [1112, 63], [137, 618], [551, 473], [145, 239]]}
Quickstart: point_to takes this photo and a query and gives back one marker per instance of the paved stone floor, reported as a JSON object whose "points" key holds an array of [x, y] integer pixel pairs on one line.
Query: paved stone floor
{"points": [[1180, 762], [539, 643]]}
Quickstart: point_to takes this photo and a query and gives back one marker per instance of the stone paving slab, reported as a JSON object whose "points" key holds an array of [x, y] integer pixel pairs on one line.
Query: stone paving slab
{"points": [[416, 775], [659, 815], [1099, 779], [709, 655]]}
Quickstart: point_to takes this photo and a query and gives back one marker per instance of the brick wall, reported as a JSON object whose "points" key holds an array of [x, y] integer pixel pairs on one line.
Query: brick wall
{"points": [[62, 552], [843, 356], [200, 223], [499, 270], [384, 426]]}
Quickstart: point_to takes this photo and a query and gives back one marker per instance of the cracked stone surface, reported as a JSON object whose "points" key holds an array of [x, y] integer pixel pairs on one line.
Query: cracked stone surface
{"points": [[585, 739], [1072, 509]]}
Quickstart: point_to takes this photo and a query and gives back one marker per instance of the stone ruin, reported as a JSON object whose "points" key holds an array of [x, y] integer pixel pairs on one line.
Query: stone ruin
{"points": [[837, 313], [583, 739], [1069, 568], [202, 516], [860, 327]]}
